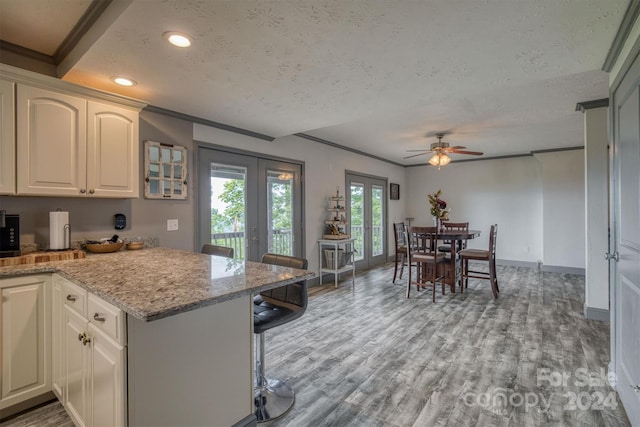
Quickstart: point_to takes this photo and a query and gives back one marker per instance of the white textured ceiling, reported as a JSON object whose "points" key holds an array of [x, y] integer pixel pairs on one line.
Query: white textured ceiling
{"points": [[30, 24], [380, 76]]}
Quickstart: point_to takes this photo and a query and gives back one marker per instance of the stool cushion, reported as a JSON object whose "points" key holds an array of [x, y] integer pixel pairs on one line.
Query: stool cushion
{"points": [[479, 254], [267, 315]]}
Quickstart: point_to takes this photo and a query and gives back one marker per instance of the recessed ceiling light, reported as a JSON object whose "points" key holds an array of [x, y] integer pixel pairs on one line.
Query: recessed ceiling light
{"points": [[177, 39], [124, 81]]}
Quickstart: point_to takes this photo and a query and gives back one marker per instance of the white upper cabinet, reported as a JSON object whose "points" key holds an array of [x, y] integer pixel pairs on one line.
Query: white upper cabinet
{"points": [[52, 143], [68, 146], [7, 138], [112, 151], [61, 139]]}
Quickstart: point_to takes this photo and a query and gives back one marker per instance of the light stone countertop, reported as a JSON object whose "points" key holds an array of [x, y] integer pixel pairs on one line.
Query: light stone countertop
{"points": [[150, 284]]}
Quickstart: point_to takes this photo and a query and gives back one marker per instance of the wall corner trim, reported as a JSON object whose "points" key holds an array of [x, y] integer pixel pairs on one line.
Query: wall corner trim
{"points": [[599, 314]]}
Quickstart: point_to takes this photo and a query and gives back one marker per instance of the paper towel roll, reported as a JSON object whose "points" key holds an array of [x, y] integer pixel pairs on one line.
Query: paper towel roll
{"points": [[59, 231]]}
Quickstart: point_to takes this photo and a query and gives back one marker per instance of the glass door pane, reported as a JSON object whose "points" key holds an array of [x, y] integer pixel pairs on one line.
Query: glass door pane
{"points": [[357, 218], [280, 212], [377, 221], [366, 200], [228, 207]]}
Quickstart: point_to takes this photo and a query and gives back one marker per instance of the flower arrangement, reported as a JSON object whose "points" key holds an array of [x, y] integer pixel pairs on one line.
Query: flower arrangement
{"points": [[438, 205]]}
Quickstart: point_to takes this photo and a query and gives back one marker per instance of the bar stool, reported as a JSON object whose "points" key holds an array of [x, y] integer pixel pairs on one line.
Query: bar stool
{"points": [[275, 307], [217, 250]]}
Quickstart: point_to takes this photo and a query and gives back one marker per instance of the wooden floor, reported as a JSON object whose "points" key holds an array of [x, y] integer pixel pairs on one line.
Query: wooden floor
{"points": [[365, 355]]}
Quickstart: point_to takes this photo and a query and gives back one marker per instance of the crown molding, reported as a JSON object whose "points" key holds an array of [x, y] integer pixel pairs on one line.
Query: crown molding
{"points": [[589, 105], [629, 19]]}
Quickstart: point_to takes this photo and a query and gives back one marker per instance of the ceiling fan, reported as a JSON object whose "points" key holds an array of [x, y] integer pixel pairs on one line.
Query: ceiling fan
{"points": [[441, 149]]}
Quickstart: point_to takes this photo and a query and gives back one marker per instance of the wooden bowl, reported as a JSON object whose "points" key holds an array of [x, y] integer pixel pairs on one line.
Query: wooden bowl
{"points": [[103, 248], [132, 246]]}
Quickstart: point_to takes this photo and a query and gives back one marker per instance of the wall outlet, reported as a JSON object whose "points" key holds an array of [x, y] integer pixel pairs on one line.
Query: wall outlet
{"points": [[172, 225]]}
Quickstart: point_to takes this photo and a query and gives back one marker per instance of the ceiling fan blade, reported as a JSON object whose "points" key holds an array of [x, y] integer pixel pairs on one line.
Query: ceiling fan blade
{"points": [[457, 147], [408, 151], [474, 153], [416, 155]]}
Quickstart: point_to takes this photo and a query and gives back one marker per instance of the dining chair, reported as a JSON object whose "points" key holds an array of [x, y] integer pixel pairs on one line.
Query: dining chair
{"points": [[217, 250], [457, 226], [399, 234], [482, 255], [422, 250]]}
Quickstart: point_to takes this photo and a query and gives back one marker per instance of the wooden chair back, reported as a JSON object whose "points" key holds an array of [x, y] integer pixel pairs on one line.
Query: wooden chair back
{"points": [[458, 226], [423, 240], [399, 231], [217, 250]]}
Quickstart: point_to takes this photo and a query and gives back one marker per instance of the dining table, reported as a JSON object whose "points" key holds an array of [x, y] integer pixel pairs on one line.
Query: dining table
{"points": [[453, 270]]}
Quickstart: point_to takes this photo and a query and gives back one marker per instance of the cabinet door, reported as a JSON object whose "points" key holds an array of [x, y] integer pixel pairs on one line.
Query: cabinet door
{"points": [[7, 138], [25, 339], [112, 151], [76, 366], [106, 382], [51, 136]]}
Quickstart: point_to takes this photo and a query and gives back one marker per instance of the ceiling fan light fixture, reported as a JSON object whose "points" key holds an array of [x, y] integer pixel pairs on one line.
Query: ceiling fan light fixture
{"points": [[124, 81], [178, 39], [439, 159]]}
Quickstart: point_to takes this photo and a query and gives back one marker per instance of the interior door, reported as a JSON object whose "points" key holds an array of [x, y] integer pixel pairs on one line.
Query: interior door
{"points": [[367, 212], [625, 240], [250, 203]]}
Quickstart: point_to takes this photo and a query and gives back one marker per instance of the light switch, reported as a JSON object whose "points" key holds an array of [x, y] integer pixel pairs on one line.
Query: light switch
{"points": [[172, 225]]}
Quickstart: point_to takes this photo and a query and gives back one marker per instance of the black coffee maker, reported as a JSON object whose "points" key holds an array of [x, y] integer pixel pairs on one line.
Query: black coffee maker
{"points": [[9, 235]]}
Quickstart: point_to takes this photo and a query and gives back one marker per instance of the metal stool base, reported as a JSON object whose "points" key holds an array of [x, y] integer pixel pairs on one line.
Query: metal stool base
{"points": [[273, 400]]}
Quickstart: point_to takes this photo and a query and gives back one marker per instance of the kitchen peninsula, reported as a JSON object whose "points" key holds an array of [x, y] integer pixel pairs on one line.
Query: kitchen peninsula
{"points": [[183, 323]]}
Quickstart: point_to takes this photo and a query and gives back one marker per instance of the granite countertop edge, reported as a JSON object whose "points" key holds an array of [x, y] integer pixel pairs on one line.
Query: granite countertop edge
{"points": [[175, 297]]}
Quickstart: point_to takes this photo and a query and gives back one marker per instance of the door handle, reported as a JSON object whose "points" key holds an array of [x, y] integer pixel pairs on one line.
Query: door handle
{"points": [[612, 256]]}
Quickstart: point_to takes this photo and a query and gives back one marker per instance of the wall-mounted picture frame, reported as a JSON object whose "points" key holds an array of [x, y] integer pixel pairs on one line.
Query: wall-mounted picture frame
{"points": [[394, 191]]}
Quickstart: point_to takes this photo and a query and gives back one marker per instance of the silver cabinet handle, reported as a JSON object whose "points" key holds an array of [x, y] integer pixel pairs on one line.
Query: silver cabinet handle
{"points": [[98, 318], [71, 298], [611, 256], [636, 388]]}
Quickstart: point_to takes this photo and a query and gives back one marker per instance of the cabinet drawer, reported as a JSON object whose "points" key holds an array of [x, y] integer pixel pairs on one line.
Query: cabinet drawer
{"points": [[107, 318], [74, 297]]}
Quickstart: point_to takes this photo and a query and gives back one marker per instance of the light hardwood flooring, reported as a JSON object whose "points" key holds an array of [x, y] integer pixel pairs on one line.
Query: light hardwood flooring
{"points": [[365, 355]]}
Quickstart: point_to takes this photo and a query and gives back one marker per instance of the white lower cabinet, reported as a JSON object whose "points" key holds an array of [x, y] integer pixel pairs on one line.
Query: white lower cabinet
{"points": [[92, 358], [25, 338]]}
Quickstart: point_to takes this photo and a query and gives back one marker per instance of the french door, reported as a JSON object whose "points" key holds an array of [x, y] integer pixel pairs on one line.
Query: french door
{"points": [[367, 211], [250, 203]]}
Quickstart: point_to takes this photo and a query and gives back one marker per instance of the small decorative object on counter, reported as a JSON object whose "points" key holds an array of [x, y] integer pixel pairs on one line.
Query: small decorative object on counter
{"points": [[337, 222], [104, 245]]}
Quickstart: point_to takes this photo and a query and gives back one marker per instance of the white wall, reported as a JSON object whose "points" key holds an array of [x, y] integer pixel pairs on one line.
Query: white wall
{"points": [[563, 208], [537, 202], [507, 192], [596, 208], [324, 170]]}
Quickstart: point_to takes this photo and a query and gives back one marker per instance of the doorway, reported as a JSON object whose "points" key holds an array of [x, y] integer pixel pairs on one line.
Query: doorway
{"points": [[367, 212], [250, 203]]}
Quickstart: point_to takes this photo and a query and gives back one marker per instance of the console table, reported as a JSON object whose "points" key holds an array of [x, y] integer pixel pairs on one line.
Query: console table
{"points": [[336, 246]]}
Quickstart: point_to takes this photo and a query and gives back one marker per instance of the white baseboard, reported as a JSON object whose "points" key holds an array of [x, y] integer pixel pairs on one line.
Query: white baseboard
{"points": [[593, 313]]}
